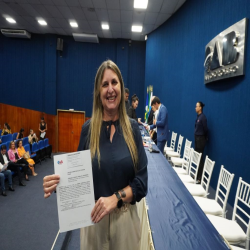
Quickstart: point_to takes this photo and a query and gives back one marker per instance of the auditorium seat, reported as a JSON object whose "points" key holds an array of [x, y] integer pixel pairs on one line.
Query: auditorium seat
{"points": [[230, 229], [8, 145], [25, 141], [6, 138], [41, 147], [35, 149], [218, 205], [32, 156], [202, 189], [14, 136], [48, 148]]}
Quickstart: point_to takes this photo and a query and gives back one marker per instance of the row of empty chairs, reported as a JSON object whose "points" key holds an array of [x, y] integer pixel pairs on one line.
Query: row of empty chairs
{"points": [[215, 209]]}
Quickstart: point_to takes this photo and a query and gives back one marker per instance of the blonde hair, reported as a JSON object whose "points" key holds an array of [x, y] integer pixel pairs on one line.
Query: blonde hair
{"points": [[97, 116]]}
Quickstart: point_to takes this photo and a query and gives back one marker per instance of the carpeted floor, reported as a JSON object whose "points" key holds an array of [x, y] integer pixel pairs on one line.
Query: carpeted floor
{"points": [[28, 221]]}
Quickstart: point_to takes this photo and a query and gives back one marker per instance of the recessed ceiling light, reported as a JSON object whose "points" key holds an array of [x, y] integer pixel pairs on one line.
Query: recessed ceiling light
{"points": [[74, 24], [136, 28], [105, 26], [140, 4], [42, 22], [10, 20]]}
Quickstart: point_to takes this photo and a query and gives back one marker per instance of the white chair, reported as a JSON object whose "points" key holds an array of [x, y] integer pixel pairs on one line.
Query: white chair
{"points": [[202, 189], [171, 153], [185, 164], [230, 229], [193, 168], [179, 161], [218, 205], [172, 142], [236, 248]]}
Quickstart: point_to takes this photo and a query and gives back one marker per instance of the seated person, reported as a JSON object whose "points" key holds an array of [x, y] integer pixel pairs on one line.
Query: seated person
{"points": [[132, 108], [6, 129], [20, 134], [15, 158], [32, 137], [22, 153], [4, 158], [8, 174]]}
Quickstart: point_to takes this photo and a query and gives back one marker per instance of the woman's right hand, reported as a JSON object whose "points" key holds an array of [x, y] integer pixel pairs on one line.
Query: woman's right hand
{"points": [[49, 184]]}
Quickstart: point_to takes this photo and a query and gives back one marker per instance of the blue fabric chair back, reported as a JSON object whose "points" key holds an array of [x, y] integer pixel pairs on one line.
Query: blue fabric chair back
{"points": [[25, 141], [34, 147], [6, 138], [8, 144], [27, 148], [40, 144], [46, 142], [14, 136], [0, 131]]}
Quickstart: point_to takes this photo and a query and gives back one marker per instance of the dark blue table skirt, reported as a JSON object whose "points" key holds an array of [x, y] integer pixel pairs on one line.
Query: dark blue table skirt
{"points": [[176, 221]]}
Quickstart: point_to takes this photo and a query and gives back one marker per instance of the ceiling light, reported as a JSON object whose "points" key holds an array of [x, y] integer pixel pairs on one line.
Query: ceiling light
{"points": [[42, 22], [73, 24], [136, 28], [10, 20], [105, 26], [140, 4], [146, 38]]}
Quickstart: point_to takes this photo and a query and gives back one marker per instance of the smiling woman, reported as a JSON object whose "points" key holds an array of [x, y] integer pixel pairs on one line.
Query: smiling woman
{"points": [[119, 166]]}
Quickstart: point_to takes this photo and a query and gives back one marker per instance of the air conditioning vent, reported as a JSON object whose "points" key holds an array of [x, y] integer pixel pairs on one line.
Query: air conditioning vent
{"points": [[85, 38], [16, 33]]}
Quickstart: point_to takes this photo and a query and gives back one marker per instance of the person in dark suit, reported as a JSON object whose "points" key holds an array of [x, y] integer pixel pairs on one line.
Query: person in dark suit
{"points": [[161, 124], [4, 158], [127, 104], [200, 135], [132, 108]]}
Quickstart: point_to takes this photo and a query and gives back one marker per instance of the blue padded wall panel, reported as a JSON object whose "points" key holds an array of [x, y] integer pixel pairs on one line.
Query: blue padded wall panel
{"points": [[49, 87], [76, 72], [136, 74], [22, 72], [34, 66], [174, 64]]}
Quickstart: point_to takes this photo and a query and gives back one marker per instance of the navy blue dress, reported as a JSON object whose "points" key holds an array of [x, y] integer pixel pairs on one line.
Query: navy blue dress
{"points": [[116, 169]]}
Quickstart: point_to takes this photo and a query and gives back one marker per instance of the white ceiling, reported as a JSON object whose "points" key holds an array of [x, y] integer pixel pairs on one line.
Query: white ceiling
{"points": [[120, 14]]}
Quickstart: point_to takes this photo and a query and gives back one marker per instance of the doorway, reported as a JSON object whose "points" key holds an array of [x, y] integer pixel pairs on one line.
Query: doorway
{"points": [[69, 124]]}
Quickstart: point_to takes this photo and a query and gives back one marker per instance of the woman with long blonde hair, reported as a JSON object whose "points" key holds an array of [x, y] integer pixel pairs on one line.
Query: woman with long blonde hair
{"points": [[119, 166]]}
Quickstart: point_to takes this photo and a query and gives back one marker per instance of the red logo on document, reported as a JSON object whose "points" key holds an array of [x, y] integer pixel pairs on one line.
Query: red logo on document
{"points": [[60, 162]]}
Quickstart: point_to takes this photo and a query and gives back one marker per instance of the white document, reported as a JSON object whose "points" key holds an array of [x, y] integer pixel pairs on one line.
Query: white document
{"points": [[43, 134], [4, 167], [144, 124], [75, 191]]}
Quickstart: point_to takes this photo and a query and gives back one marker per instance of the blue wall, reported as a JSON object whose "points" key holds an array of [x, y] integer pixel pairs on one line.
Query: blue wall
{"points": [[36, 77], [174, 65]]}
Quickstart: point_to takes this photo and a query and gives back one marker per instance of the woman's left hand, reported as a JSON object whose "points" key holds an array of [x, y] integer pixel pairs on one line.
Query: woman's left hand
{"points": [[103, 206]]}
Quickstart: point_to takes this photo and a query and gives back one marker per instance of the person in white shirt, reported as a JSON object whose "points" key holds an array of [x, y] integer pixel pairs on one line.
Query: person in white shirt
{"points": [[4, 172], [153, 133]]}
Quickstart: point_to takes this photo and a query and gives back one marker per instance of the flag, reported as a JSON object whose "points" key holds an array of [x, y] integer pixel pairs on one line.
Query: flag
{"points": [[148, 102]]}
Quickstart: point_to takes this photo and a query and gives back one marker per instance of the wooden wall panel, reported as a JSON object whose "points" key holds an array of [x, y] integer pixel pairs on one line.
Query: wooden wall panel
{"points": [[28, 119]]}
